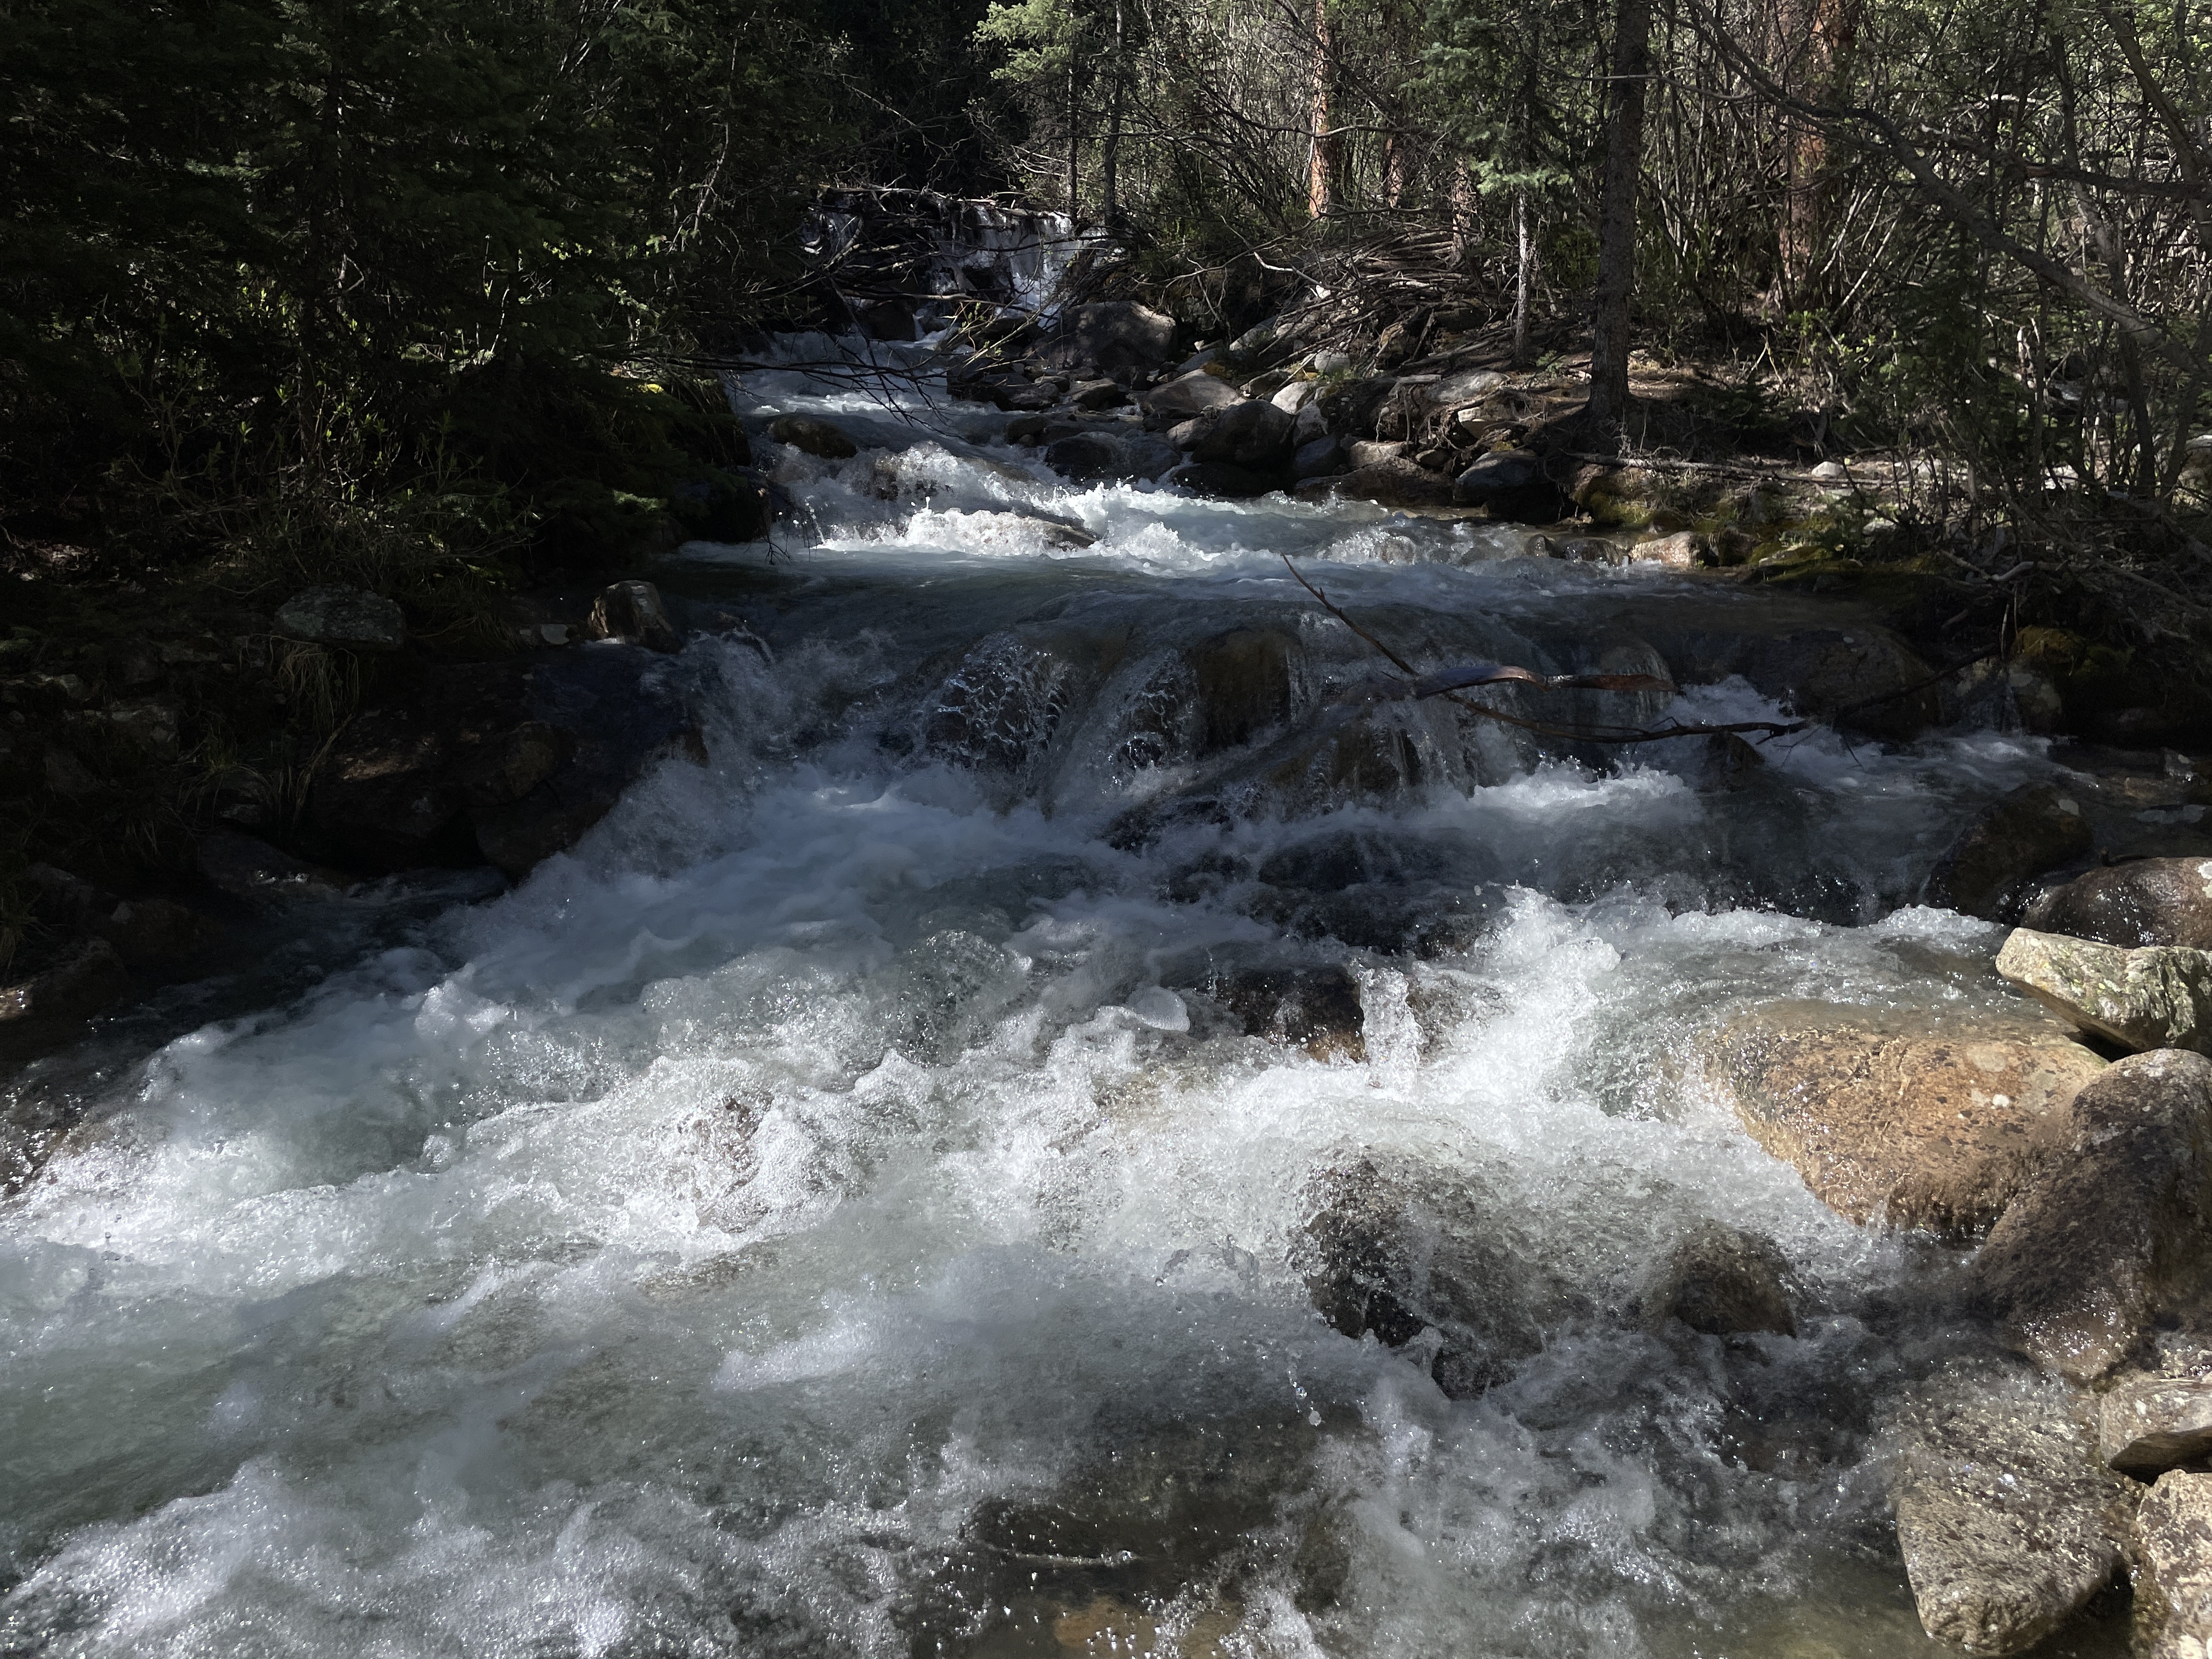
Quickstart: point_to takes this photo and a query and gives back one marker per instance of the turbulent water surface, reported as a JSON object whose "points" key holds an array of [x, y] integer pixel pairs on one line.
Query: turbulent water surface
{"points": [[846, 1206]]}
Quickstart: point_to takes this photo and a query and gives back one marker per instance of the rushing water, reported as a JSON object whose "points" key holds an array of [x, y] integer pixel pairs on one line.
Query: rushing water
{"points": [[838, 1211]]}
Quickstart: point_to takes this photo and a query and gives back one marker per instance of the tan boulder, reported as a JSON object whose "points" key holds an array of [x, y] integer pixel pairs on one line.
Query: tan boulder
{"points": [[2174, 1568], [2156, 996], [1927, 1123], [2110, 1232]]}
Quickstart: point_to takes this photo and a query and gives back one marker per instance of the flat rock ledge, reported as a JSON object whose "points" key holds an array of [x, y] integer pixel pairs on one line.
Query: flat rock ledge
{"points": [[2154, 996], [1924, 1123], [2009, 1522]]}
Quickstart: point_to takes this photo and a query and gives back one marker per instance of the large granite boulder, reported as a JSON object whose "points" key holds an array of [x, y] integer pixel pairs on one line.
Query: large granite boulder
{"points": [[1116, 337], [1917, 1120], [1188, 395], [2007, 1520], [2156, 996], [2110, 1232], [1985, 871], [2144, 902]]}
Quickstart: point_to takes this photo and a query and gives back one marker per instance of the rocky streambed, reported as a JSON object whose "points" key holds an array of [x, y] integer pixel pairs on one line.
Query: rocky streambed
{"points": [[1045, 1099]]}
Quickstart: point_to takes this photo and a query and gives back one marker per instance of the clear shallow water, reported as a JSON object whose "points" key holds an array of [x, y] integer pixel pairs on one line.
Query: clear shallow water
{"points": [[836, 1211]]}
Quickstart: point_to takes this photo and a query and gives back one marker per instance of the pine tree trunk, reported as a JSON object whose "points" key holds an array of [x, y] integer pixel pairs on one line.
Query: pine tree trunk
{"points": [[1320, 188], [1074, 146], [1616, 219], [1110, 155]]}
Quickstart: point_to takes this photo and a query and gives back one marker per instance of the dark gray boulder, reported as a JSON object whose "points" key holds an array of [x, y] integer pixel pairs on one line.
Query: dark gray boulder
{"points": [[2034, 829], [1188, 395], [1251, 434], [350, 617], [2144, 902], [1117, 336], [631, 613], [1502, 472], [1324, 458]]}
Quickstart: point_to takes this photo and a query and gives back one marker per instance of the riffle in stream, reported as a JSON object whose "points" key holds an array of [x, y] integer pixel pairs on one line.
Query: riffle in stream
{"points": [[864, 1201]]}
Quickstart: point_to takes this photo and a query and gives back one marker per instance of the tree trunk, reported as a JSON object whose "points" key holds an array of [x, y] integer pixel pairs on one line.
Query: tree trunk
{"points": [[1816, 43], [1074, 146], [1110, 154], [1524, 272], [1320, 187], [1616, 218]]}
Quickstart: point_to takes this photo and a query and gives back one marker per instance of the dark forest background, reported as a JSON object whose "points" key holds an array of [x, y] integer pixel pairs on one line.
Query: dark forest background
{"points": [[421, 295]]}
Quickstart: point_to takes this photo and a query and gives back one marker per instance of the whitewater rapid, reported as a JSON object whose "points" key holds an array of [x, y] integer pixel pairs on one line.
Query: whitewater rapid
{"points": [[828, 1213]]}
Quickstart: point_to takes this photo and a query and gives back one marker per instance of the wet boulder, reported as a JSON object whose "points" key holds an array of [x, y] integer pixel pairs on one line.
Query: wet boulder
{"points": [[262, 877], [1502, 473], [1398, 482], [349, 617], [987, 381], [2144, 902], [2110, 1232], [1722, 1281], [1251, 434], [2034, 829], [2156, 996], [2007, 1520], [1920, 1121], [1396, 1248], [632, 612], [1323, 458], [816, 437], [2174, 1568], [1219, 478], [2148, 1424], [1084, 457], [88, 976]]}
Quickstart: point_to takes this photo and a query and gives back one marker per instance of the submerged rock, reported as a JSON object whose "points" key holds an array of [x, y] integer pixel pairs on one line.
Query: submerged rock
{"points": [[631, 612], [2148, 1424], [2174, 1568], [2030, 830], [1924, 1122], [1316, 1009], [2008, 1522], [1722, 1281], [1396, 1248], [2144, 902], [346, 616], [816, 437], [2153, 997], [1219, 478], [2113, 1230]]}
